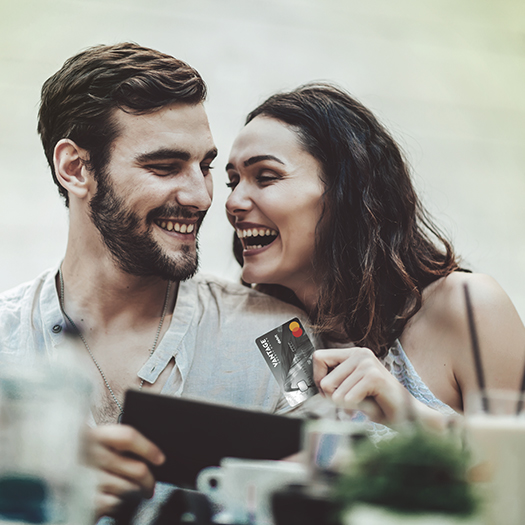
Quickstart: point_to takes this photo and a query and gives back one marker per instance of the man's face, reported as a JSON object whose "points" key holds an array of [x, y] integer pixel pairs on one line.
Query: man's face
{"points": [[153, 194]]}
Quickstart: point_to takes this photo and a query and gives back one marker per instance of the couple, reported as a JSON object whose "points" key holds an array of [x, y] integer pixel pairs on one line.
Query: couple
{"points": [[325, 217]]}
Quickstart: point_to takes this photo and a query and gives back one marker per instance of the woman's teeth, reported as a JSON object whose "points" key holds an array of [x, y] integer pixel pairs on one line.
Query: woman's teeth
{"points": [[256, 232], [175, 226], [254, 238]]}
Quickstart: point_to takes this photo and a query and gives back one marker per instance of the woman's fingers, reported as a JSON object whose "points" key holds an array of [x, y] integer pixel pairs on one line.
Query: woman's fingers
{"points": [[325, 361], [332, 367], [354, 379], [359, 392]]}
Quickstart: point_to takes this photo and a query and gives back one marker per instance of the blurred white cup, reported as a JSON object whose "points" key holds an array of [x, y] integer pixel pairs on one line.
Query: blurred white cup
{"points": [[242, 488]]}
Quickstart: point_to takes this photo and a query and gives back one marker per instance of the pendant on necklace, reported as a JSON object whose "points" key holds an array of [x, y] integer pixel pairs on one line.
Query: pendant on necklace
{"points": [[119, 418]]}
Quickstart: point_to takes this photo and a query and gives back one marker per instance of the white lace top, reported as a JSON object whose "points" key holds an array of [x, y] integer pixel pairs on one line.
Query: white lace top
{"points": [[397, 362]]}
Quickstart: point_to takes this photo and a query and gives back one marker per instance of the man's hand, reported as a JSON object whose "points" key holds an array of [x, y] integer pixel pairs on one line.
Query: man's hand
{"points": [[121, 455]]}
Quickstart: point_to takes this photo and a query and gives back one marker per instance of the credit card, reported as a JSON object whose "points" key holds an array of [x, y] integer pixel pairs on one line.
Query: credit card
{"points": [[288, 351]]}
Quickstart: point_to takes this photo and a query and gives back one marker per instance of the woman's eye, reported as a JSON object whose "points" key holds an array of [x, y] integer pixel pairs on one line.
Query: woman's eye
{"points": [[232, 184], [262, 179]]}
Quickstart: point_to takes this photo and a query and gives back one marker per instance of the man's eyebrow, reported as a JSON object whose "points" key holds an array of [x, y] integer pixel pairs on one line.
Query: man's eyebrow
{"points": [[163, 154], [170, 154], [254, 160]]}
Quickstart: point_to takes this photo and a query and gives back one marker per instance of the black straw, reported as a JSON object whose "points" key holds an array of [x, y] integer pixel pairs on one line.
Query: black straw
{"points": [[522, 392], [475, 350]]}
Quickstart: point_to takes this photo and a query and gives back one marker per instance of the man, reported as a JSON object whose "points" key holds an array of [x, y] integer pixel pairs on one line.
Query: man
{"points": [[130, 150]]}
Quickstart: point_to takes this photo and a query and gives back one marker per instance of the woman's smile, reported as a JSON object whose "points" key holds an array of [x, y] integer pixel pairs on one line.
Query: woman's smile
{"points": [[276, 203], [255, 236]]}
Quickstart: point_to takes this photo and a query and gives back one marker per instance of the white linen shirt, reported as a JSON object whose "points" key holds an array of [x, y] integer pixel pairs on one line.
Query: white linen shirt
{"points": [[211, 339]]}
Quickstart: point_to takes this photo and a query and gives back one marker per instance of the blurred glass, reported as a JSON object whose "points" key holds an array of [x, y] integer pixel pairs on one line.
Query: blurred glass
{"points": [[330, 447], [495, 427], [43, 411]]}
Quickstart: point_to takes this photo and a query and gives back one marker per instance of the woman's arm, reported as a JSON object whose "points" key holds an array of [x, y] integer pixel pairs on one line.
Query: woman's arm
{"points": [[437, 342]]}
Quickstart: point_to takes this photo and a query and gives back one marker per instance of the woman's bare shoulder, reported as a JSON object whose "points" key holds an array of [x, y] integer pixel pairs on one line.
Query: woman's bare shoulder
{"points": [[444, 300], [500, 330], [438, 339]]}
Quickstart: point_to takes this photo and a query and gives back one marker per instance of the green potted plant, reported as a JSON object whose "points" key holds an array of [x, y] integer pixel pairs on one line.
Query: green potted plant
{"points": [[414, 477]]}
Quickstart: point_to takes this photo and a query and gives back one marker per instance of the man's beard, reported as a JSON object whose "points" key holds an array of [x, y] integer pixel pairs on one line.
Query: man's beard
{"points": [[135, 251]]}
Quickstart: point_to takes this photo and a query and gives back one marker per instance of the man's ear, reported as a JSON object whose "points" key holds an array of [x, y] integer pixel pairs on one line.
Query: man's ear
{"points": [[70, 168]]}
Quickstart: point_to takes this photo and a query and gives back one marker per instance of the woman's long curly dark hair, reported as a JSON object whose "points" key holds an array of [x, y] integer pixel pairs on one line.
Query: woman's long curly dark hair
{"points": [[374, 250]]}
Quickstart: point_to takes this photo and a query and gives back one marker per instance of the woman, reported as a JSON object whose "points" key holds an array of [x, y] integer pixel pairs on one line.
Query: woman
{"points": [[326, 217]]}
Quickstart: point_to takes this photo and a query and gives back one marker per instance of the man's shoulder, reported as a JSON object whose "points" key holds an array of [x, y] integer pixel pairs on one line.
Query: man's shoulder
{"points": [[225, 286], [241, 309], [13, 298], [237, 294], [17, 315]]}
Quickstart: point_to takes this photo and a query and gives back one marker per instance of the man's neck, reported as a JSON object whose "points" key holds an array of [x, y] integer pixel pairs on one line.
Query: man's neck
{"points": [[101, 294]]}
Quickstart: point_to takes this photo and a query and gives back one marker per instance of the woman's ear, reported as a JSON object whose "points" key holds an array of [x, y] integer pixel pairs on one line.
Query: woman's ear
{"points": [[70, 168]]}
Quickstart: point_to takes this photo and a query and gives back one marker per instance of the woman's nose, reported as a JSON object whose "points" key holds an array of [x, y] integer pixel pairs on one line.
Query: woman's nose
{"points": [[238, 201]]}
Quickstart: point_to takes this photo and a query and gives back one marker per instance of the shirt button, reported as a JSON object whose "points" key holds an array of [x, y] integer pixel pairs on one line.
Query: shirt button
{"points": [[57, 329]]}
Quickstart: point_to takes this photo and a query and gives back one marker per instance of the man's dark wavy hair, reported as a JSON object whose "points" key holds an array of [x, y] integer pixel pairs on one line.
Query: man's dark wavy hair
{"points": [[78, 101], [375, 250]]}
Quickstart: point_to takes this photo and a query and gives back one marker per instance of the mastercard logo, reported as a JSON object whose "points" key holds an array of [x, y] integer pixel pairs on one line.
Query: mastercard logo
{"points": [[295, 328]]}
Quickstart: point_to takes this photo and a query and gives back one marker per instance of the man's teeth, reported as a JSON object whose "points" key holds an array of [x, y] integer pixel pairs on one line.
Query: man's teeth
{"points": [[256, 232], [177, 226]]}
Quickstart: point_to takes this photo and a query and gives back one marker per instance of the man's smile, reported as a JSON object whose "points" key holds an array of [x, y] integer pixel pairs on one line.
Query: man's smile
{"points": [[175, 225]]}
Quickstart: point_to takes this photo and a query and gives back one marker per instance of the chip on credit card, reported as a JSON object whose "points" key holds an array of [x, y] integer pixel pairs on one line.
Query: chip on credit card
{"points": [[288, 351]]}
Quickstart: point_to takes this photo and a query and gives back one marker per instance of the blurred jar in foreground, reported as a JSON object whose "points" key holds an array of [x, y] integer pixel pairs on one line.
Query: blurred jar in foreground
{"points": [[43, 413], [330, 448], [495, 426]]}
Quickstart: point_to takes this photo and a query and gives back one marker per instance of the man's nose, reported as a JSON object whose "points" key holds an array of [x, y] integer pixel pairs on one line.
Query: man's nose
{"points": [[195, 190]]}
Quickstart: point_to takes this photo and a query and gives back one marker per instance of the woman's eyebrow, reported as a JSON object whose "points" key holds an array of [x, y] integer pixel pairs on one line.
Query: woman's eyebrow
{"points": [[254, 160]]}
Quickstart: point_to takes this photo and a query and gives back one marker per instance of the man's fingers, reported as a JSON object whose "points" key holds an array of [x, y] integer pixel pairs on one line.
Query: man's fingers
{"points": [[108, 483], [122, 457], [106, 505], [123, 438], [130, 469]]}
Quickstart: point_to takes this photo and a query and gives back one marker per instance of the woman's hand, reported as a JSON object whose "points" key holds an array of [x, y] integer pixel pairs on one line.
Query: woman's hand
{"points": [[355, 379], [121, 456]]}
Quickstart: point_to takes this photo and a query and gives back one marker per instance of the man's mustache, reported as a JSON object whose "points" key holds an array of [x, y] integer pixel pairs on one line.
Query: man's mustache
{"points": [[175, 211]]}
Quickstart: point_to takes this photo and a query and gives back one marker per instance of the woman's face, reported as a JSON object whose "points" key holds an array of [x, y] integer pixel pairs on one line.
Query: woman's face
{"points": [[275, 203]]}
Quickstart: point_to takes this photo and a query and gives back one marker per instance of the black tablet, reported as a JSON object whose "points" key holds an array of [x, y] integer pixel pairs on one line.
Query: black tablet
{"points": [[194, 435]]}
